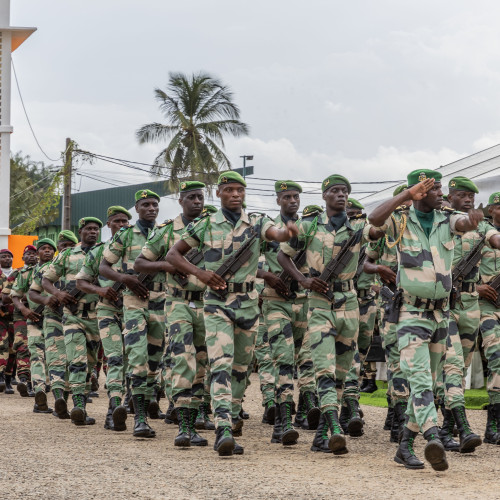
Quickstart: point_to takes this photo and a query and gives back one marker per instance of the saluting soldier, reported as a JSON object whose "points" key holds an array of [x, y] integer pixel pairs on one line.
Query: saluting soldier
{"points": [[231, 301]]}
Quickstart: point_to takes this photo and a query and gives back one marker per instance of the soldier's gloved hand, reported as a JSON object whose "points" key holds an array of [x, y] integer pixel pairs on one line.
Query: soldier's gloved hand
{"points": [[419, 191], [133, 284], [487, 292], [107, 292], [275, 282], [65, 298], [315, 284], [211, 279], [387, 274]]}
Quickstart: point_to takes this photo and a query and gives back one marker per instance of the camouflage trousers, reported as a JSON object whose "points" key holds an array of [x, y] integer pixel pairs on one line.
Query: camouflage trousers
{"points": [[144, 334], [490, 330], [167, 370], [367, 317], [422, 337], [332, 335], [5, 326], [36, 344], [188, 351], [266, 368], [110, 330], [55, 350], [230, 339], [286, 323], [81, 338], [20, 348]]}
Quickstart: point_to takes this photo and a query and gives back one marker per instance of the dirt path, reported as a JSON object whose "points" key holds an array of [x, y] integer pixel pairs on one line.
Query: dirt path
{"points": [[44, 457]]}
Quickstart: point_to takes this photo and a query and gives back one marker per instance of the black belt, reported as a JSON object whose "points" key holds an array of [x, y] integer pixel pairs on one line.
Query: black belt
{"points": [[186, 294], [342, 286], [240, 287], [468, 287], [428, 304], [364, 292], [155, 287]]}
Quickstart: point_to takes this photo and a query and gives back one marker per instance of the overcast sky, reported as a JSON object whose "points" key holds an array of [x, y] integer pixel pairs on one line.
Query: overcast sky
{"points": [[369, 89]]}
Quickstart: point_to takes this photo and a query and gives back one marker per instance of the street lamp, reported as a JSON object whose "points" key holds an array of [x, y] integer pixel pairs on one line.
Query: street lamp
{"points": [[246, 170]]}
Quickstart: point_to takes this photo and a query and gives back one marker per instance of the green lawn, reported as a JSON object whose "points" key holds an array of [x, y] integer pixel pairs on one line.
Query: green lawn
{"points": [[475, 399]]}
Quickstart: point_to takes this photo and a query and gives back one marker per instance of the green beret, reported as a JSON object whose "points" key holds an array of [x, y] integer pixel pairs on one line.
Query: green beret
{"points": [[352, 203], [144, 194], [87, 220], [66, 234], [231, 176], [282, 186], [244, 204], [333, 180], [117, 209], [209, 209], [461, 183], [45, 241], [186, 186], [421, 175], [399, 189], [311, 209], [445, 197], [494, 199]]}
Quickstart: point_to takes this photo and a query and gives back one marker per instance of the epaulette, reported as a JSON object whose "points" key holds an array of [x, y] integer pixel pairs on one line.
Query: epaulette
{"points": [[166, 223], [261, 214], [358, 216], [311, 215], [98, 244], [401, 208], [202, 216], [448, 209]]}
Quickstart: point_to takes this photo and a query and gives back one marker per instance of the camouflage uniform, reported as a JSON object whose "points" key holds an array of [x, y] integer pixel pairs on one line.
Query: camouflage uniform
{"points": [[185, 324], [425, 278], [332, 326], [6, 326], [81, 332], [144, 320], [286, 322], [231, 323], [110, 321]]}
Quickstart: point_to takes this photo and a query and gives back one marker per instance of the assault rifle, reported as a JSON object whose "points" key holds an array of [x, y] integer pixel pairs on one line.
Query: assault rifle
{"points": [[465, 265], [394, 302], [194, 256], [361, 261], [299, 260], [339, 262], [495, 283]]}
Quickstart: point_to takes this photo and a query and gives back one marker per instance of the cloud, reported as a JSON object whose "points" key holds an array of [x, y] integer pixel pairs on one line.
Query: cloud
{"points": [[487, 140]]}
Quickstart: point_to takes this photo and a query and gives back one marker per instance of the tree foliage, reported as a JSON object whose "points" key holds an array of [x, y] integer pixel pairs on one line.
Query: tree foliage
{"points": [[200, 112]]}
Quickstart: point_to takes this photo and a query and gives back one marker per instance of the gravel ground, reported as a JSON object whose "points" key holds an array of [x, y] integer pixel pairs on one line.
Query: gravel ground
{"points": [[51, 458]]}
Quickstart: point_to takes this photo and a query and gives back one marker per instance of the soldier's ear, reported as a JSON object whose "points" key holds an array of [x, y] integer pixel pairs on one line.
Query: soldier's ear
{"points": [[217, 193], [324, 195]]}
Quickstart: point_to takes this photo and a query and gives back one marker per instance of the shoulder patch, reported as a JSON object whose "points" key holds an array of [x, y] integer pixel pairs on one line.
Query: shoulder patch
{"points": [[202, 216]]}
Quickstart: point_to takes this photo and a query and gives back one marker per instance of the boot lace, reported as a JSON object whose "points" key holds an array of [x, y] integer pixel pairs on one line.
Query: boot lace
{"points": [[336, 429], [465, 423], [410, 446]]}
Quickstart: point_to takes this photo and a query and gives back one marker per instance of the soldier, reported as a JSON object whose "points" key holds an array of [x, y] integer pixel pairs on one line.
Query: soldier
{"points": [[6, 326], [490, 324], [230, 307], [20, 351], [81, 332], [45, 252], [333, 317], [53, 333], [285, 313], [144, 308], [109, 312], [184, 311], [425, 239]]}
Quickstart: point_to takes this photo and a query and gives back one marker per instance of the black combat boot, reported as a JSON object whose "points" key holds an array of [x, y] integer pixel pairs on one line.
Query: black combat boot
{"points": [[154, 411], [446, 431], [244, 414], [337, 442], [405, 454], [398, 421], [183, 439], [237, 427], [141, 426], [195, 438], [492, 432], [355, 424], [41, 405], [389, 416], [278, 428], [128, 397], [434, 451], [60, 405], [301, 415], [320, 441], [312, 410], [8, 386], [170, 415], [289, 435], [202, 419], [108, 422], [224, 441], [2, 382], [269, 413], [118, 414], [369, 387], [344, 418], [468, 440], [31, 392], [79, 413], [22, 386]]}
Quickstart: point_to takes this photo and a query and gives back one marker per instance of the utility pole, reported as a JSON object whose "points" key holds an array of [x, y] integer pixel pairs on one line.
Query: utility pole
{"points": [[247, 169], [68, 173]]}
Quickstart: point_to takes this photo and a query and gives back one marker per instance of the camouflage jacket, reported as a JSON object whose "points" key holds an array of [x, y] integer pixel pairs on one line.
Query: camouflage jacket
{"points": [[489, 267], [36, 282], [218, 239], [161, 240], [7, 289], [126, 246], [323, 244], [23, 282]]}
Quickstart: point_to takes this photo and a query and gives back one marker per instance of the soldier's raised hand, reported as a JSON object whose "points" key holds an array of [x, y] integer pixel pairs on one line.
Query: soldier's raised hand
{"points": [[419, 191]]}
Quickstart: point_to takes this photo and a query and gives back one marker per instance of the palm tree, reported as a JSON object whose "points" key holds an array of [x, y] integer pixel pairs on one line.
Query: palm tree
{"points": [[200, 111]]}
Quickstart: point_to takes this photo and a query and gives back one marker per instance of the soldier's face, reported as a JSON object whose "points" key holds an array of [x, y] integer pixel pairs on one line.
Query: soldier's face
{"points": [[289, 201], [45, 253], [351, 212], [30, 257], [147, 209], [231, 196], [62, 245], [116, 222], [336, 197], [434, 198], [89, 233], [494, 211], [192, 203], [5, 260], [461, 200]]}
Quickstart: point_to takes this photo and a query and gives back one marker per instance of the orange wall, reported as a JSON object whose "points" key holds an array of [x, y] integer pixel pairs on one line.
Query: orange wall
{"points": [[17, 243]]}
